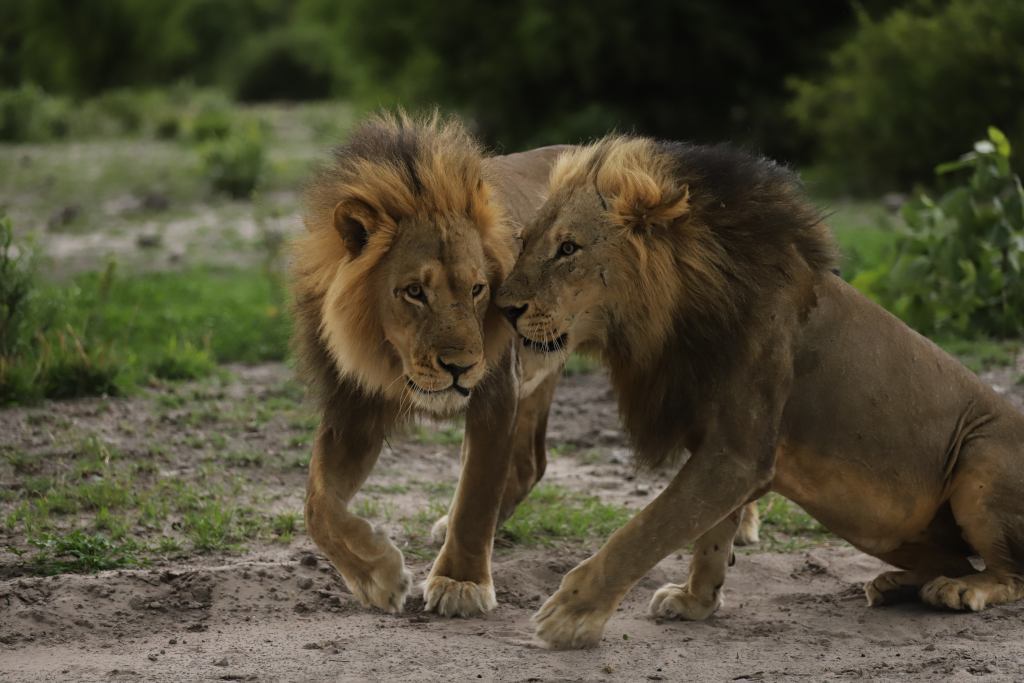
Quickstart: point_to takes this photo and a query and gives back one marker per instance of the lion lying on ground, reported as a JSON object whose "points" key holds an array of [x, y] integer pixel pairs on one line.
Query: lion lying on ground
{"points": [[702, 276], [409, 232]]}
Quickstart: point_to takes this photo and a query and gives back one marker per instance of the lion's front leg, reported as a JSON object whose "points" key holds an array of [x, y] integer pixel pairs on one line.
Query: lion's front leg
{"points": [[459, 583], [372, 567]]}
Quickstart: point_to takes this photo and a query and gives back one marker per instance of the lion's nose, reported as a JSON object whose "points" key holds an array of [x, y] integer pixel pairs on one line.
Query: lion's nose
{"points": [[455, 370], [513, 312]]}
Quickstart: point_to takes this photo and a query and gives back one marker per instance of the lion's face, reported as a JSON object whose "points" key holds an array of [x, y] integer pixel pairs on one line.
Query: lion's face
{"points": [[561, 291], [433, 300]]}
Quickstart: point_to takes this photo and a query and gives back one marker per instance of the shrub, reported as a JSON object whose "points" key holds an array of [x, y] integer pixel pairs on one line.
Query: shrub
{"points": [[16, 279], [902, 93], [207, 117], [959, 263], [183, 360], [233, 164], [545, 72], [292, 63], [27, 114]]}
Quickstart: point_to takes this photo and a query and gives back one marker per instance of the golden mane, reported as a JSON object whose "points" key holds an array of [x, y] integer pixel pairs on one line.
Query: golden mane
{"points": [[713, 231], [396, 167]]}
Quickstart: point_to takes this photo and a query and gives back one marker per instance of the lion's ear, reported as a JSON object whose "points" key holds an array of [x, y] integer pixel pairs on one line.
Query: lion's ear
{"points": [[650, 210], [354, 220]]}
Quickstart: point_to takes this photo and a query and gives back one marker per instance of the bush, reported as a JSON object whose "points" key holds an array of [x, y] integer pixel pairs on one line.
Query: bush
{"points": [[102, 334], [287, 64], [27, 114], [539, 73], [959, 263], [233, 164], [16, 279], [902, 93], [208, 117]]}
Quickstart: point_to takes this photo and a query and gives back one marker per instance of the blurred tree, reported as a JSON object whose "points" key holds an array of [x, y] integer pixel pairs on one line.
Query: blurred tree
{"points": [[534, 72], [87, 46], [911, 90]]}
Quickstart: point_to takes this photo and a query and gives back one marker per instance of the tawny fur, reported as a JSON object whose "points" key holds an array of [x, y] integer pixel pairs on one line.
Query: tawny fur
{"points": [[397, 167]]}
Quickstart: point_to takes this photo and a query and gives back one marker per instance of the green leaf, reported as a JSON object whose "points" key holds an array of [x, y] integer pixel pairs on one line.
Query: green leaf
{"points": [[1001, 142]]}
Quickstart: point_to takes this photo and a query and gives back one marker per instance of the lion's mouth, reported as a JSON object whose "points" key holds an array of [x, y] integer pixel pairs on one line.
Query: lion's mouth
{"points": [[457, 388], [554, 346]]}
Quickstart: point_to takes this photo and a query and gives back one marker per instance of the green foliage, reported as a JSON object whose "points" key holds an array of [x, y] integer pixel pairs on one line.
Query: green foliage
{"points": [[785, 526], [207, 118], [291, 63], [103, 334], [233, 163], [16, 283], [27, 114], [540, 72], [81, 552], [959, 263], [183, 360], [552, 512], [903, 92], [578, 364], [979, 355]]}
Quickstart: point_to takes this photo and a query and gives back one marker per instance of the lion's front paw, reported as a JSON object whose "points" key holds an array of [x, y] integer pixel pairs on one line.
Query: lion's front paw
{"points": [[385, 585], [564, 624], [451, 598], [673, 601], [957, 594], [439, 531]]}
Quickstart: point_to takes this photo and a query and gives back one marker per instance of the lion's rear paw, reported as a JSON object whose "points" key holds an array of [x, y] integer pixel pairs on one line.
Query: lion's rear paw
{"points": [[673, 601], [385, 586], [959, 594], [890, 588], [748, 533], [565, 626], [439, 531], [451, 598]]}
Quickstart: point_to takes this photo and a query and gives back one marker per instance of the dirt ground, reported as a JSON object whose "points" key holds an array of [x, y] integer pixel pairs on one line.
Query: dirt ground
{"points": [[279, 612]]}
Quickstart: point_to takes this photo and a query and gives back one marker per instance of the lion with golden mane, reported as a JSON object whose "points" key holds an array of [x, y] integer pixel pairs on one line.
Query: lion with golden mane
{"points": [[409, 232], [703, 277]]}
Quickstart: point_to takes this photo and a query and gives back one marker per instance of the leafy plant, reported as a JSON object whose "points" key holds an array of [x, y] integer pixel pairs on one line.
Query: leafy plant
{"points": [[16, 276], [27, 114], [959, 262], [901, 93], [79, 552], [233, 164]]}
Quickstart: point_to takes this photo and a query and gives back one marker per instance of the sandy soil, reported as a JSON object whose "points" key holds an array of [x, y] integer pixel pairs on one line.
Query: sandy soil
{"points": [[281, 613]]}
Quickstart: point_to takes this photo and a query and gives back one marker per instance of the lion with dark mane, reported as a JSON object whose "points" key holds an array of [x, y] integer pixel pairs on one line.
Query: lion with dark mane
{"points": [[409, 232], [703, 277]]}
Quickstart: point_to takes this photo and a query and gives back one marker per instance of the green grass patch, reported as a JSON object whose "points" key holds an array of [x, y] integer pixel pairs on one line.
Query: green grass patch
{"points": [[578, 364], [81, 552], [105, 334], [983, 354], [785, 526], [552, 513], [447, 435], [864, 232]]}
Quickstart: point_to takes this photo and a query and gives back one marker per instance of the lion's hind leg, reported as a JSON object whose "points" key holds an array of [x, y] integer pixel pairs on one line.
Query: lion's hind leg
{"points": [[922, 562], [988, 504], [701, 595], [749, 531]]}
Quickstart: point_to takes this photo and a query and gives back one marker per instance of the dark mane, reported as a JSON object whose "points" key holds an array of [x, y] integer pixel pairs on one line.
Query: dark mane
{"points": [[749, 232]]}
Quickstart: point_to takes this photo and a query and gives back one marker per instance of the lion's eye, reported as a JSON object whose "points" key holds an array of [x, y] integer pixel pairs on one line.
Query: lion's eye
{"points": [[478, 290], [568, 248], [415, 291]]}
